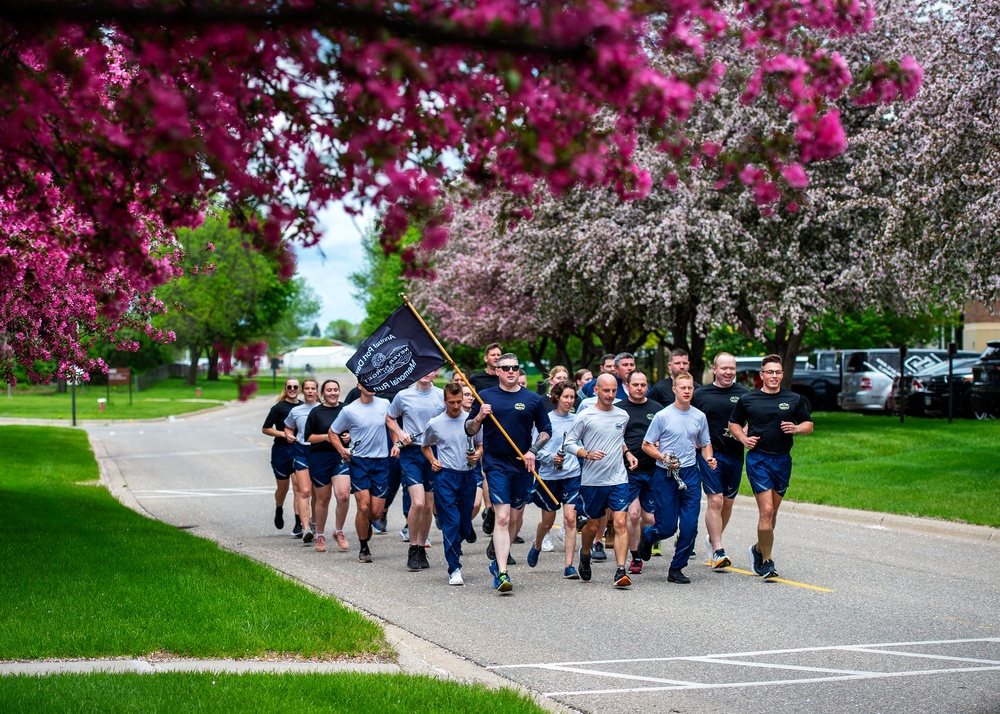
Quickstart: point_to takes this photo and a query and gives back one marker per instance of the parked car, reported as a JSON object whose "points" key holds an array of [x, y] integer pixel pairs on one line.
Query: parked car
{"points": [[868, 375], [927, 392], [819, 381], [985, 396]]}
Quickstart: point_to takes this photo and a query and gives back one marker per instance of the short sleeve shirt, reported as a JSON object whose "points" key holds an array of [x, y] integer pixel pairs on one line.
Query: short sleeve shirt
{"points": [[762, 413]]}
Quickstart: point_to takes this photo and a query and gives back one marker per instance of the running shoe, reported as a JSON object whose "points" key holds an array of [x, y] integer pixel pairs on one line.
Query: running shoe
{"points": [[341, 540], [279, 518], [491, 552], [635, 567], [405, 534], [308, 536], [533, 556], [676, 575], [312, 525], [518, 540], [547, 545], [489, 521], [657, 549], [437, 523], [364, 555], [597, 554], [413, 559], [456, 577], [756, 561], [621, 578], [472, 537], [562, 535], [585, 571], [380, 525], [645, 548], [768, 569], [510, 559], [422, 554], [719, 560], [502, 583], [297, 530], [427, 542], [494, 569], [321, 544], [569, 573]]}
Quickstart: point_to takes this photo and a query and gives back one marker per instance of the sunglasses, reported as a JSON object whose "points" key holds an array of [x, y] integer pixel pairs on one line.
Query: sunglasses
{"points": [[291, 387], [509, 367]]}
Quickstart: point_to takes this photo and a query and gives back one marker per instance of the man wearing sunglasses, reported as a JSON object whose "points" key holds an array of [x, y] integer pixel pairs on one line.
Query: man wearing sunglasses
{"points": [[764, 421], [517, 410]]}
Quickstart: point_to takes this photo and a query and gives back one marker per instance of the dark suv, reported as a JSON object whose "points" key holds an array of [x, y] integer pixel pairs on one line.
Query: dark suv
{"points": [[985, 397]]}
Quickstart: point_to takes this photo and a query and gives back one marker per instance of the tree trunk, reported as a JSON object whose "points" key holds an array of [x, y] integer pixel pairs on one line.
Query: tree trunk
{"points": [[697, 353], [536, 350], [192, 375], [213, 365]]}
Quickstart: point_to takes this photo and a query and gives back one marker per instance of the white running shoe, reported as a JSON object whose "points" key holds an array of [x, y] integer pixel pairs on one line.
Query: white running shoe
{"points": [[456, 577], [547, 545]]}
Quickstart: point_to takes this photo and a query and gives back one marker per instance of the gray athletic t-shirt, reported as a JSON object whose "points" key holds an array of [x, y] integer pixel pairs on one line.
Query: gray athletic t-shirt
{"points": [[598, 430], [366, 423], [296, 420], [546, 467], [417, 408], [452, 443], [680, 432]]}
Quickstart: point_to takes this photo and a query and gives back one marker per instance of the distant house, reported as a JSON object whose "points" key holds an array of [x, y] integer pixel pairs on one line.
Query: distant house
{"points": [[982, 324], [319, 358]]}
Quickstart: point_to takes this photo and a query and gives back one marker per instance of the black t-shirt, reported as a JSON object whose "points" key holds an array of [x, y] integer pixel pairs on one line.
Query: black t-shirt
{"points": [[276, 418], [663, 391], [484, 380], [718, 403], [318, 422], [763, 413], [640, 416]]}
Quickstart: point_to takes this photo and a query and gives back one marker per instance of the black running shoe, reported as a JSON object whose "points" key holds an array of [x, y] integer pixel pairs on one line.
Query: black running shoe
{"points": [[768, 569], [676, 575], [756, 561], [422, 555], [413, 559], [491, 553], [585, 572], [279, 518], [364, 555], [598, 554], [297, 530], [622, 579], [489, 521], [518, 540], [471, 538]]}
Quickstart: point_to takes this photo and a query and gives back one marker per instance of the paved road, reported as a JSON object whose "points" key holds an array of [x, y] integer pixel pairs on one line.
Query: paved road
{"points": [[873, 619]]}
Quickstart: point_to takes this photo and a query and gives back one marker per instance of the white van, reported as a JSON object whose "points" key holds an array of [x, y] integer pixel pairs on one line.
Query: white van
{"points": [[868, 374]]}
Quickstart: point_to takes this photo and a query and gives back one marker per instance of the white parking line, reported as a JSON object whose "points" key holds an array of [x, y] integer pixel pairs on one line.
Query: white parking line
{"points": [[660, 684]]}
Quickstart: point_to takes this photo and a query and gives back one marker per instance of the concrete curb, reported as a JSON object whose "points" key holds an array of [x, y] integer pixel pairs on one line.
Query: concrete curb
{"points": [[415, 655]]}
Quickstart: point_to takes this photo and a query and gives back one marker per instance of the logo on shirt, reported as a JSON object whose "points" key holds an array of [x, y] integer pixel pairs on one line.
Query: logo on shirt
{"points": [[735, 398], [519, 406], [650, 417], [784, 406], [620, 426]]}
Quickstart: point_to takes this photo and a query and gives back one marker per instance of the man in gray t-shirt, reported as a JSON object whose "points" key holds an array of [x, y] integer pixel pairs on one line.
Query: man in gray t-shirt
{"points": [[417, 405], [598, 437], [453, 464], [678, 430]]}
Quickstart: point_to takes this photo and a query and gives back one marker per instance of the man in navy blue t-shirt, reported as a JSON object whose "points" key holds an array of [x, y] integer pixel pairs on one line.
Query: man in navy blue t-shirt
{"points": [[517, 410]]}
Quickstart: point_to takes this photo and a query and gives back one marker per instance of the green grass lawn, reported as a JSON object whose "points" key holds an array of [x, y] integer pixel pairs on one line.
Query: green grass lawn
{"points": [[169, 397], [83, 576], [925, 467], [312, 693]]}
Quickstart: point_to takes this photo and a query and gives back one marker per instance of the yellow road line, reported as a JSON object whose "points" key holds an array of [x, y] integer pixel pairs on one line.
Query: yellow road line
{"points": [[776, 580]]}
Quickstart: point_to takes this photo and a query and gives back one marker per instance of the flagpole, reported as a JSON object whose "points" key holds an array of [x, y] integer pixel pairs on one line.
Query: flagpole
{"points": [[473, 389]]}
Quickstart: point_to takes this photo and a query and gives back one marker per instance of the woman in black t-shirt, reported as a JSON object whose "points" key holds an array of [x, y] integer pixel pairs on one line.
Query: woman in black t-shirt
{"points": [[281, 449], [328, 473]]}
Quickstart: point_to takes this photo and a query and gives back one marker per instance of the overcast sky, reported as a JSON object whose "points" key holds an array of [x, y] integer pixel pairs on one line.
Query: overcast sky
{"points": [[327, 271]]}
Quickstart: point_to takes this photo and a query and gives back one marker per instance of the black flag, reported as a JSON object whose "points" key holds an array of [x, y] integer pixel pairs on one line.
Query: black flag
{"points": [[396, 355]]}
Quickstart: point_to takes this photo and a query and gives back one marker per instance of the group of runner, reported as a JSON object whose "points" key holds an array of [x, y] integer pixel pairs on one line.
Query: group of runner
{"points": [[603, 450]]}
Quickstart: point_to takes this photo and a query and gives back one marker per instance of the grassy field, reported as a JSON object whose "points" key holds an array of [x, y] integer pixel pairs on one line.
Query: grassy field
{"points": [[313, 693], [171, 396], [87, 577], [925, 467]]}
